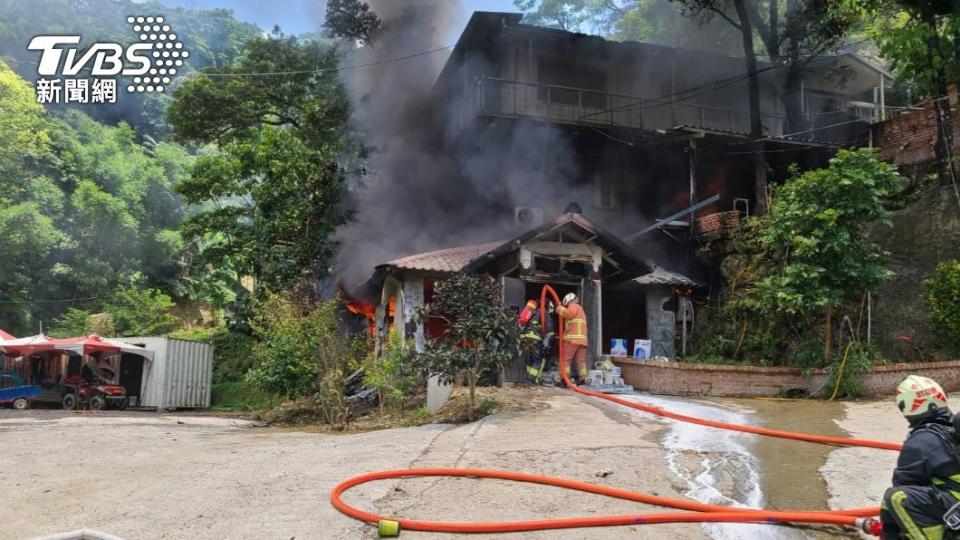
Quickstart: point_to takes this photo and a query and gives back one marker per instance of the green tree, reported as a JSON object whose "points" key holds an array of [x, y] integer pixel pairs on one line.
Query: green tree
{"points": [[942, 291], [921, 39], [814, 255], [270, 191], [351, 19], [84, 209], [480, 335], [213, 37]]}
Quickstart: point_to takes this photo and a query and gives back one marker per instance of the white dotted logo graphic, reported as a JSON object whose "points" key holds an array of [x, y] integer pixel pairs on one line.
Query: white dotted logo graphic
{"points": [[167, 55]]}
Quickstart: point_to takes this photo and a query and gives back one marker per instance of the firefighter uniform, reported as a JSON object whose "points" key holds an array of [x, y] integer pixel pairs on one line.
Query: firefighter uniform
{"points": [[531, 340], [574, 338], [926, 482]]}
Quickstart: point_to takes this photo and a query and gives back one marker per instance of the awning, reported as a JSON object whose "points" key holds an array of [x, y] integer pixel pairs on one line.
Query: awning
{"points": [[26, 345], [87, 345]]}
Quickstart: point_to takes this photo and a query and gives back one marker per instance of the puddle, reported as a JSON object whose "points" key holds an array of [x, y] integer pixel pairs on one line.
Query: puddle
{"points": [[724, 467]]}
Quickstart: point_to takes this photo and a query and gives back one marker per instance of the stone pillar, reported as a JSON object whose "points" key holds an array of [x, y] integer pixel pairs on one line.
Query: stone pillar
{"points": [[661, 323]]}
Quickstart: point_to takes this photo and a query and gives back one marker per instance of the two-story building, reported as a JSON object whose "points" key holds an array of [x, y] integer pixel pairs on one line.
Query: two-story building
{"points": [[649, 131]]}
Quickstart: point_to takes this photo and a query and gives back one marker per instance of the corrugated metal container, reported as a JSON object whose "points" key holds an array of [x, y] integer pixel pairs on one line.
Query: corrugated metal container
{"points": [[180, 375]]}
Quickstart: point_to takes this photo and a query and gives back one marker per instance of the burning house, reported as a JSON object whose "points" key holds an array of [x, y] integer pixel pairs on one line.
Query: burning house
{"points": [[651, 143]]}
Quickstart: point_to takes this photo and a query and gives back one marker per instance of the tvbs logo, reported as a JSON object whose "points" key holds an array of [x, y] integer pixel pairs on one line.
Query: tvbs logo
{"points": [[150, 63]]}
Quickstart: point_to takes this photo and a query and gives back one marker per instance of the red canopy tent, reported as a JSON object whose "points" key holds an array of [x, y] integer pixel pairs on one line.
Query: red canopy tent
{"points": [[25, 345], [87, 345]]}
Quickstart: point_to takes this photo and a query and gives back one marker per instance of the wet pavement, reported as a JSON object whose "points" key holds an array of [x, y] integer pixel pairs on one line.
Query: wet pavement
{"points": [[732, 468]]}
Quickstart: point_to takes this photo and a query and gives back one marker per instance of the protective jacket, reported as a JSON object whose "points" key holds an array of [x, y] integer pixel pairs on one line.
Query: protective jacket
{"points": [[531, 328], [575, 329], [926, 481], [928, 457]]}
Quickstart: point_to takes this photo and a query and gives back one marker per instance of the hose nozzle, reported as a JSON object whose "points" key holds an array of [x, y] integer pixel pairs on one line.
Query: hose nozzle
{"points": [[870, 526]]}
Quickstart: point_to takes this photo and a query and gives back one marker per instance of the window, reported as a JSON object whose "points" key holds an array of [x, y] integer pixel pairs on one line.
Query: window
{"points": [[605, 191], [562, 72]]}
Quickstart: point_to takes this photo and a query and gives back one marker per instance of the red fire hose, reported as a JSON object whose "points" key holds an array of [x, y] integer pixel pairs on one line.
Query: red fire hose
{"points": [[695, 512]]}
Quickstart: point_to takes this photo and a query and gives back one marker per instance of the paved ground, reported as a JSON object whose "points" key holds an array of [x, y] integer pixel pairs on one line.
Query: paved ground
{"points": [[145, 475], [857, 477]]}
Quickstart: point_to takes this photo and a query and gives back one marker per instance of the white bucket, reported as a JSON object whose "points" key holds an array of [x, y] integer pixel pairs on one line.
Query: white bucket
{"points": [[615, 371], [608, 377], [595, 377]]}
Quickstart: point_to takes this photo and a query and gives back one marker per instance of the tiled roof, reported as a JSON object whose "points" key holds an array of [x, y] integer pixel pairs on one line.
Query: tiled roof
{"points": [[661, 276], [443, 260]]}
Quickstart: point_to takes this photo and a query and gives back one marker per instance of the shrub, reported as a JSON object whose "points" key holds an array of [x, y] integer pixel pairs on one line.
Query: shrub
{"points": [[843, 376], [480, 335], [390, 374], [942, 291], [301, 351]]}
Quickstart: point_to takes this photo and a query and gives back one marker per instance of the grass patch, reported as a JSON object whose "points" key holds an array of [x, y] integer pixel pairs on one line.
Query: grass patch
{"points": [[241, 396]]}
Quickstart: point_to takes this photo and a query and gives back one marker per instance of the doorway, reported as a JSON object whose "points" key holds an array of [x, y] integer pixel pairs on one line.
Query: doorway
{"points": [[131, 374], [624, 315]]}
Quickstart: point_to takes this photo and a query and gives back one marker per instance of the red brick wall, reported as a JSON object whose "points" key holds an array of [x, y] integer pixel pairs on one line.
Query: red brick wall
{"points": [[683, 379], [909, 139], [718, 223]]}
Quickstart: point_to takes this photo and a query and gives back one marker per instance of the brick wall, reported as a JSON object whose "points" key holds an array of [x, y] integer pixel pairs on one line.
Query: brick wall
{"points": [[718, 223], [683, 379], [909, 138]]}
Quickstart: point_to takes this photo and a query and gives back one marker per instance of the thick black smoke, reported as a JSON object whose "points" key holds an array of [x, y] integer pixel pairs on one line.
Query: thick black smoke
{"points": [[425, 189]]}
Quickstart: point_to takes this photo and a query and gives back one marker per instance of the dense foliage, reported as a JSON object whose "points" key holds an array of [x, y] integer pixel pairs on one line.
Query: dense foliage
{"points": [[480, 336], [131, 311], [84, 209], [391, 373], [270, 187], [808, 258], [214, 38], [303, 352], [943, 295]]}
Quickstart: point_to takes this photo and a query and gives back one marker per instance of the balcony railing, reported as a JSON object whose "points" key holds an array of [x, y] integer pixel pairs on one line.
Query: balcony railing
{"points": [[568, 105]]}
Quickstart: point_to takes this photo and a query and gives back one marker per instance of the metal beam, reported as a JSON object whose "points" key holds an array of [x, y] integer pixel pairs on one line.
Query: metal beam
{"points": [[673, 217]]}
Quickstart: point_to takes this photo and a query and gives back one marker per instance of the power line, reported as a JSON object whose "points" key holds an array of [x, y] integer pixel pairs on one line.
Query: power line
{"points": [[25, 302], [323, 70]]}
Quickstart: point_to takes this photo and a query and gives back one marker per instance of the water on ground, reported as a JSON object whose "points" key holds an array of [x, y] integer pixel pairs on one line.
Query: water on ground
{"points": [[740, 469]]}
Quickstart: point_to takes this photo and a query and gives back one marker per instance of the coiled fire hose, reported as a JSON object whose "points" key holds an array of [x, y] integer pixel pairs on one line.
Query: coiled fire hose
{"points": [[694, 512]]}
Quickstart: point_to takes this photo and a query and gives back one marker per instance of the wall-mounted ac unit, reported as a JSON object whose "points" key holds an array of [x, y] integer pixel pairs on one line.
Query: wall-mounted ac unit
{"points": [[527, 216]]}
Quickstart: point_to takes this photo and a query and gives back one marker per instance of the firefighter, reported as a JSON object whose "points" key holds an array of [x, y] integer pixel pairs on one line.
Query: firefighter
{"points": [[574, 336], [926, 482], [531, 340]]}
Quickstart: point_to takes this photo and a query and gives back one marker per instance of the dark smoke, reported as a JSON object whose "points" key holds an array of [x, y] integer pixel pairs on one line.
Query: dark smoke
{"points": [[425, 190]]}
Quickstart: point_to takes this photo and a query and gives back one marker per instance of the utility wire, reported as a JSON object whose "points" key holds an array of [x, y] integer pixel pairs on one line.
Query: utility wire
{"points": [[20, 302], [322, 70]]}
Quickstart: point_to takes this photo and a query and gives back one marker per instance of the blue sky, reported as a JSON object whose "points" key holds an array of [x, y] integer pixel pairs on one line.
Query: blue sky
{"points": [[297, 16]]}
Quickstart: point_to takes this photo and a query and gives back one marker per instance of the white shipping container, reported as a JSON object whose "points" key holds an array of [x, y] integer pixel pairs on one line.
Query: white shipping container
{"points": [[180, 374]]}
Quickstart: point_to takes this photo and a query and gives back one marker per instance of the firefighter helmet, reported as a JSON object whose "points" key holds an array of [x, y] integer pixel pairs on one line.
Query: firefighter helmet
{"points": [[532, 304], [569, 297], [918, 396]]}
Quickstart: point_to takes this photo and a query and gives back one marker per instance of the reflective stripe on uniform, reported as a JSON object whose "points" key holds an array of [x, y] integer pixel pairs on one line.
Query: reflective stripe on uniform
{"points": [[580, 332], [913, 531]]}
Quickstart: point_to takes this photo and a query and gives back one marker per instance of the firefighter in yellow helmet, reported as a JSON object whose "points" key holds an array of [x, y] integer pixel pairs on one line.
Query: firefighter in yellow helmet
{"points": [[574, 336], [926, 482]]}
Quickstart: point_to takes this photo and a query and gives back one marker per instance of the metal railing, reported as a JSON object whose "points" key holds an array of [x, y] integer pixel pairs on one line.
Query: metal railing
{"points": [[569, 105]]}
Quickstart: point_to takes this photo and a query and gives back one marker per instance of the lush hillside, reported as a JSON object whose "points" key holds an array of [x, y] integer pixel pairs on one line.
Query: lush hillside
{"points": [[84, 208], [214, 38]]}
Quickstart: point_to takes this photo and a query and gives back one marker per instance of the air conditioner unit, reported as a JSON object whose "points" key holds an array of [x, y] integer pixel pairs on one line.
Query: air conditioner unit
{"points": [[527, 216]]}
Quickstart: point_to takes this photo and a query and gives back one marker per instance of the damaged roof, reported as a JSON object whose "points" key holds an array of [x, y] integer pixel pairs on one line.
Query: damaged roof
{"points": [[662, 276], [442, 260]]}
